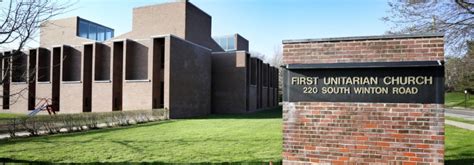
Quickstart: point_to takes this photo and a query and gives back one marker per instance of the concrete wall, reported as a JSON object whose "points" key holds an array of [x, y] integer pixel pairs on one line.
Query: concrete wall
{"points": [[59, 32], [188, 80], [229, 82]]}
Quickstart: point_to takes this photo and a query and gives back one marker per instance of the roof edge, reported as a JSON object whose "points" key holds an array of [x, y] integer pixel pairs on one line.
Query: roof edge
{"points": [[357, 38]]}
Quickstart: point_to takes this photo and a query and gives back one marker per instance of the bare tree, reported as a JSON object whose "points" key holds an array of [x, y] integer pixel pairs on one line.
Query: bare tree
{"points": [[277, 58], [20, 21], [454, 18]]}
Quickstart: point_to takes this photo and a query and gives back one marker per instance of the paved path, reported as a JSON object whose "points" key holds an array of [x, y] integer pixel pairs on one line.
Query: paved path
{"points": [[460, 124], [461, 113]]}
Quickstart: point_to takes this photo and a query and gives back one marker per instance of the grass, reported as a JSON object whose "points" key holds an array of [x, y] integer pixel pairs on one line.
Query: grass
{"points": [[9, 115], [215, 139], [456, 99], [458, 119], [459, 146], [218, 138]]}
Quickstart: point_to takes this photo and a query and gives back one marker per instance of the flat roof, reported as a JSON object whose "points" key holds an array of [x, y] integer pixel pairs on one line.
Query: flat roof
{"points": [[355, 38]]}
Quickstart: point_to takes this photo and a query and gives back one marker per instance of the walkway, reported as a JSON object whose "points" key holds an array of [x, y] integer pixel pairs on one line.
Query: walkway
{"points": [[467, 114]]}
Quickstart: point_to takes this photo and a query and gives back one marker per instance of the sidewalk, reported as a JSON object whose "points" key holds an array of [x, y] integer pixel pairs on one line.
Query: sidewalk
{"points": [[460, 124], [467, 114]]}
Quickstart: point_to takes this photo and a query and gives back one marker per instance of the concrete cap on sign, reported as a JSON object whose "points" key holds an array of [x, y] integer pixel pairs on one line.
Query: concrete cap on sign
{"points": [[355, 38]]}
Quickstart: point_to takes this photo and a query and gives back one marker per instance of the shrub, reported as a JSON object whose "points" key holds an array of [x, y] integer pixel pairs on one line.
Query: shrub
{"points": [[78, 122]]}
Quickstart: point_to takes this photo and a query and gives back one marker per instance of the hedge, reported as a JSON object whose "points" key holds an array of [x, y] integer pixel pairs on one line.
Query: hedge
{"points": [[78, 122]]}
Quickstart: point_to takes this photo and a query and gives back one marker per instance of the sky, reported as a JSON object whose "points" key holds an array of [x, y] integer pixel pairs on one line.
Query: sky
{"points": [[264, 23]]}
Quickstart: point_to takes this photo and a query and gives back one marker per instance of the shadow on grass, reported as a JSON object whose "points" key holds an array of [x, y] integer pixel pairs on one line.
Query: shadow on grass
{"points": [[13, 161], [80, 133], [467, 161], [271, 113]]}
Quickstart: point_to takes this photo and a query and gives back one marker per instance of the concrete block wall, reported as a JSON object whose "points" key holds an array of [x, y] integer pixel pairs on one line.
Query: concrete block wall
{"points": [[353, 132]]}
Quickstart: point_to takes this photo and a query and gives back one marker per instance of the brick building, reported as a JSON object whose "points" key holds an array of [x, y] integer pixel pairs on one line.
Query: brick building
{"points": [[168, 60]]}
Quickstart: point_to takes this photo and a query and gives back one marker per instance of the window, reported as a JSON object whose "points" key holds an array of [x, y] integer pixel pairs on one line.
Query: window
{"points": [[253, 72], [83, 29], [226, 42], [265, 75], [100, 34], [230, 43], [93, 31], [109, 34]]}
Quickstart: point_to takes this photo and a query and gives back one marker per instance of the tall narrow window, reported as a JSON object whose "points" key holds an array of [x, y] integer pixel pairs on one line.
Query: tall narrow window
{"points": [[253, 72], [19, 67], [44, 65]]}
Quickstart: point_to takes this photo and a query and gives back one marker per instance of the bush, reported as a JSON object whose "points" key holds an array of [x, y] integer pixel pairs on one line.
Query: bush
{"points": [[78, 122]]}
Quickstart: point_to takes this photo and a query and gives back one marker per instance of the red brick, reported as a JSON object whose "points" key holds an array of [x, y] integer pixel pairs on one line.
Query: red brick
{"points": [[410, 154], [344, 150], [409, 163], [422, 146], [337, 162], [370, 126], [416, 159]]}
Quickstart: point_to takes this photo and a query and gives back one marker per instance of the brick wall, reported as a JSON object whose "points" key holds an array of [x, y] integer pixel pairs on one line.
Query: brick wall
{"points": [[319, 132], [353, 132], [370, 50]]}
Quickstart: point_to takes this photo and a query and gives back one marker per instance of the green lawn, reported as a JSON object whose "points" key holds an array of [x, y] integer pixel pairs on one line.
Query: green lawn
{"points": [[9, 115], [218, 138], [459, 146], [456, 99], [459, 119]]}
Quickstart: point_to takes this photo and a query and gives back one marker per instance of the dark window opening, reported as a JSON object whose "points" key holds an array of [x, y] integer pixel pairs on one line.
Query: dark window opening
{"points": [[136, 63], [265, 75], [44, 65], [6, 81], [253, 72], [87, 84], [32, 79], [19, 67], [102, 63], [56, 78], [117, 78], [157, 73], [71, 64]]}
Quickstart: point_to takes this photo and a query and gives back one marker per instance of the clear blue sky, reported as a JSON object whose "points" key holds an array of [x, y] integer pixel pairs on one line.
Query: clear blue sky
{"points": [[264, 23]]}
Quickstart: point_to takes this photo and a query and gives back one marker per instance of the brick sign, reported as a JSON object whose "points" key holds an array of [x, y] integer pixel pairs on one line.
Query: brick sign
{"points": [[389, 82], [364, 100]]}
